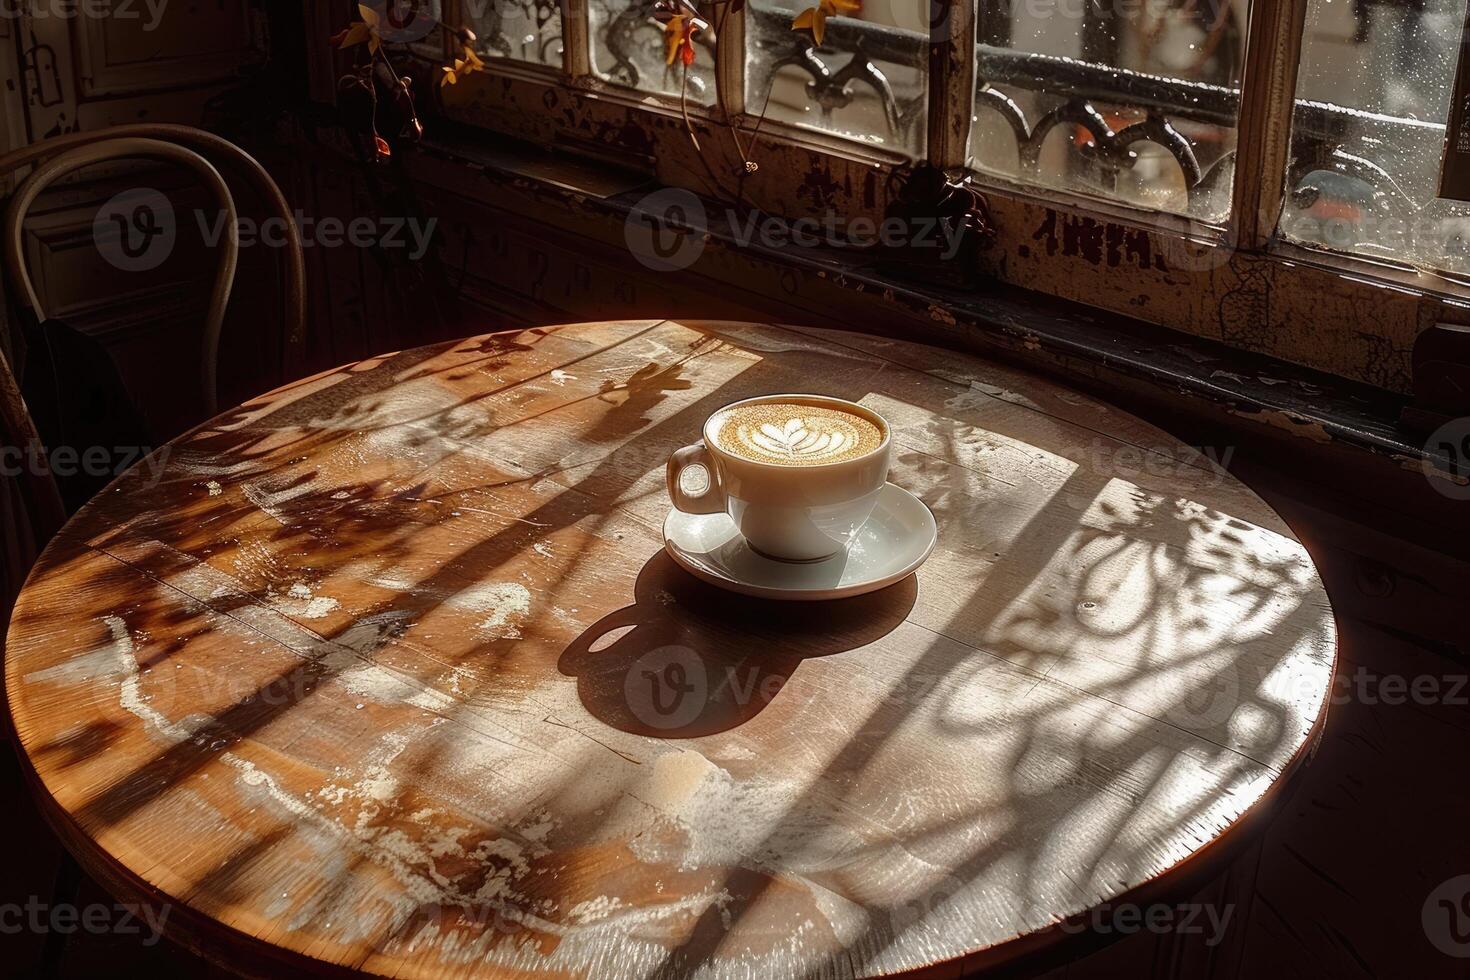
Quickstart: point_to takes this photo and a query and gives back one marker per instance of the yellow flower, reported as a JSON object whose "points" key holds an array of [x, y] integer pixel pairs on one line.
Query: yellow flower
{"points": [[363, 30], [467, 65]]}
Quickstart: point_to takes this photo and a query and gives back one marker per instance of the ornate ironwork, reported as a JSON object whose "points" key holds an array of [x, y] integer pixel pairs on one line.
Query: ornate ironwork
{"points": [[632, 31], [864, 45], [853, 51]]}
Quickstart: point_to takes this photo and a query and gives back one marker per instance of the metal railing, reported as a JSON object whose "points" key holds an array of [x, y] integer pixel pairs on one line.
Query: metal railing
{"points": [[1158, 109]]}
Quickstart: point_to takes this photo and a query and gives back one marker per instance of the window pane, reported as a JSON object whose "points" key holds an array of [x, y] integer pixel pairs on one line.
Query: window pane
{"points": [[867, 80], [1368, 132], [526, 30], [628, 49], [1132, 100]]}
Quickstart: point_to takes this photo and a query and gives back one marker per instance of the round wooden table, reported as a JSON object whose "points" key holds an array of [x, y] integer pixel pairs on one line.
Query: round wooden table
{"points": [[387, 670]]}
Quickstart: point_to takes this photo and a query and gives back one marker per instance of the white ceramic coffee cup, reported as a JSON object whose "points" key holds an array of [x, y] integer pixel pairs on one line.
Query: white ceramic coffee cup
{"points": [[795, 513]]}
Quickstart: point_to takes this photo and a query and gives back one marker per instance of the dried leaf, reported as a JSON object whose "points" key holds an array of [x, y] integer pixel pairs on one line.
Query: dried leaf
{"points": [[355, 34], [813, 19], [673, 31], [679, 33]]}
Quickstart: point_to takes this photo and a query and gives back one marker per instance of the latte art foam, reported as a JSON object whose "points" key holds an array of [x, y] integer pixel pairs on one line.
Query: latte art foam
{"points": [[794, 434]]}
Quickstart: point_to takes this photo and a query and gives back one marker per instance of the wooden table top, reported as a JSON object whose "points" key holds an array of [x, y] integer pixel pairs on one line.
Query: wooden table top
{"points": [[387, 669]]}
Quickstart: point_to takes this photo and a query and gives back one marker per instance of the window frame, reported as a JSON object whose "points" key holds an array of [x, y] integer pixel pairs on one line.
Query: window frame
{"points": [[1398, 301]]}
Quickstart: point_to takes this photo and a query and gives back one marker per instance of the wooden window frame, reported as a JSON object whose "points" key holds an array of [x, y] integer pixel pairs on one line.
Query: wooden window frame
{"points": [[1236, 281]]}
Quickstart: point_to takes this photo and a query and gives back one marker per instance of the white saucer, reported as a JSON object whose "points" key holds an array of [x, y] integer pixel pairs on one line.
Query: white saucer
{"points": [[894, 542]]}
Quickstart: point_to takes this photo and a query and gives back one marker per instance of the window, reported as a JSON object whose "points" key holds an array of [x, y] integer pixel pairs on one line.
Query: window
{"points": [[1133, 101], [519, 30], [1124, 99], [866, 81], [1368, 131], [628, 49], [1254, 173], [523, 30]]}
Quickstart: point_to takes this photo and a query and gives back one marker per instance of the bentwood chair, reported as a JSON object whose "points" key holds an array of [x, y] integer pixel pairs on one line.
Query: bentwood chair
{"points": [[32, 504], [67, 412]]}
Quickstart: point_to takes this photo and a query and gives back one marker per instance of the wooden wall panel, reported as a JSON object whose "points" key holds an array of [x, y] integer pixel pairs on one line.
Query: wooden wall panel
{"points": [[162, 64], [168, 47]]}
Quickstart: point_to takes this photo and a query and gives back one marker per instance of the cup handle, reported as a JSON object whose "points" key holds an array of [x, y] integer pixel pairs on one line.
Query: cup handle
{"points": [[712, 499]]}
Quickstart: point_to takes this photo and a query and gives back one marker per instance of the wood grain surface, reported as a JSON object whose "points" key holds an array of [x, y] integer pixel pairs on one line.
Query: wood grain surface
{"points": [[387, 670]]}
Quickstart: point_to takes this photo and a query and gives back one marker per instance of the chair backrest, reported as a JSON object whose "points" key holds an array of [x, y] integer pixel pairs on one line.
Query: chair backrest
{"points": [[68, 161], [31, 508], [223, 152]]}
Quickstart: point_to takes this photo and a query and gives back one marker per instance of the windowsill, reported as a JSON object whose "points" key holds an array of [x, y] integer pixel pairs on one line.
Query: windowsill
{"points": [[1042, 331]]}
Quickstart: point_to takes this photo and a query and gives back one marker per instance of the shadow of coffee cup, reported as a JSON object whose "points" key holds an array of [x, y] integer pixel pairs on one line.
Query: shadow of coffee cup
{"points": [[688, 659]]}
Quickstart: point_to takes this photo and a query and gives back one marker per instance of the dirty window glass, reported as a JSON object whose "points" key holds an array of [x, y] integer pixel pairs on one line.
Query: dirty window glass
{"points": [[628, 49], [1368, 131], [525, 30], [865, 81], [1131, 100]]}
